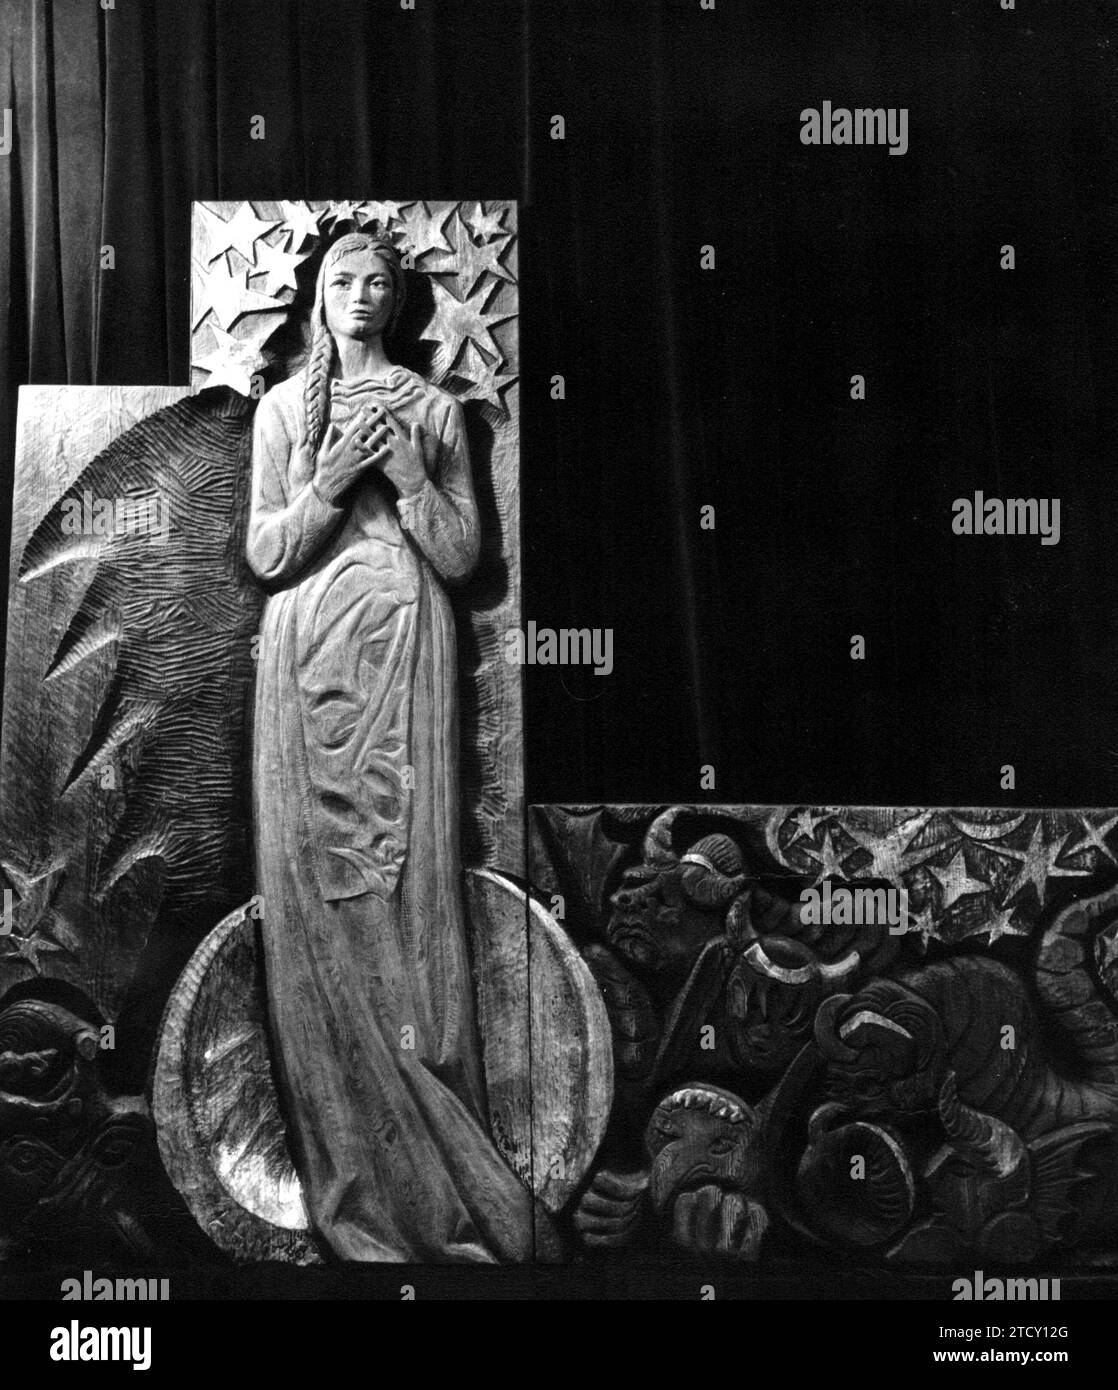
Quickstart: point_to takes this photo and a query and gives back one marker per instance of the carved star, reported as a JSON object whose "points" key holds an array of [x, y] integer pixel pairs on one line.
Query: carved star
{"points": [[383, 214], [473, 261], [487, 225], [239, 234], [33, 912], [233, 362], [956, 881], [300, 221], [923, 923], [280, 267], [805, 822], [337, 213], [830, 860], [28, 948], [1039, 865], [36, 893], [215, 233], [423, 232], [1001, 923], [487, 379], [230, 297], [1094, 837], [891, 854], [455, 323]]}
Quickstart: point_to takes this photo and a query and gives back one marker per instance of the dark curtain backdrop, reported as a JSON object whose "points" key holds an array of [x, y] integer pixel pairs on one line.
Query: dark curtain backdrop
{"points": [[684, 387]]}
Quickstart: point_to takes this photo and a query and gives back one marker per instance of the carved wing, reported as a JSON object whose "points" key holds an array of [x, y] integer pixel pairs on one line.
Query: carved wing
{"points": [[129, 764]]}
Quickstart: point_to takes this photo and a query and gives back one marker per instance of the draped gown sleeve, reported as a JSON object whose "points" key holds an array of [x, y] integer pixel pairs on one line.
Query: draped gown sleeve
{"points": [[442, 517], [289, 522]]}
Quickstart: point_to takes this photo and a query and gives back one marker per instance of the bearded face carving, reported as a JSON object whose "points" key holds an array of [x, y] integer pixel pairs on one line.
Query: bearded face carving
{"points": [[669, 907]]}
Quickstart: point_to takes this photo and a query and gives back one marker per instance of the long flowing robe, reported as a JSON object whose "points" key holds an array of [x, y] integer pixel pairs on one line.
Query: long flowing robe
{"points": [[356, 813]]}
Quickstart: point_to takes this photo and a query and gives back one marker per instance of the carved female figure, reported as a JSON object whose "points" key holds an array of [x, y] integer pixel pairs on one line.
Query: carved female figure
{"points": [[362, 510]]}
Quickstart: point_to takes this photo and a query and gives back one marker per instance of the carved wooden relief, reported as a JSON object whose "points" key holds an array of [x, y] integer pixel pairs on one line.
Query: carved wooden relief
{"points": [[253, 270], [264, 866], [890, 1034], [173, 567]]}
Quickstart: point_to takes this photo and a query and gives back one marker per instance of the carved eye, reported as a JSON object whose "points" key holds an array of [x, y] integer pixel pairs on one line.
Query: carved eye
{"points": [[722, 1146]]}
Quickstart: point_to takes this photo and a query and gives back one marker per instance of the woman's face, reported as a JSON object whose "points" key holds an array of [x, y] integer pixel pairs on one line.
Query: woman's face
{"points": [[358, 295]]}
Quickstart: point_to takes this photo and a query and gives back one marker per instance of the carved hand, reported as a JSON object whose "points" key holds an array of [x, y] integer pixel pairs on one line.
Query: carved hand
{"points": [[609, 1211], [343, 457], [406, 461]]}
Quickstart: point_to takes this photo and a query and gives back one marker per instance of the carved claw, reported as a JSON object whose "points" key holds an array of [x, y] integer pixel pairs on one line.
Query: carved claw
{"points": [[710, 1221]]}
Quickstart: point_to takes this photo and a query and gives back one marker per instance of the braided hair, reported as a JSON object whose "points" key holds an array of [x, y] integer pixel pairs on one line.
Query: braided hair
{"points": [[316, 391]]}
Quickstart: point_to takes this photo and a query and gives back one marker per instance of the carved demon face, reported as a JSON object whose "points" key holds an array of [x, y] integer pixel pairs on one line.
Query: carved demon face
{"points": [[669, 907], [884, 1047], [771, 998], [49, 1096], [702, 1135], [631, 1015], [655, 925]]}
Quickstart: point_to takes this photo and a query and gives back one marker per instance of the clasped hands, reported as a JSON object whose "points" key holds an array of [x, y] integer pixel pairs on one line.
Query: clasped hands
{"points": [[374, 438]]}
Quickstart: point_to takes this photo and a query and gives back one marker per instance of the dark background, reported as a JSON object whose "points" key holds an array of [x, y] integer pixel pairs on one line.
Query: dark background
{"points": [[684, 387]]}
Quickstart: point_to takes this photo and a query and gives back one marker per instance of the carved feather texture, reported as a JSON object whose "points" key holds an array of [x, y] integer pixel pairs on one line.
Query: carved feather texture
{"points": [[180, 614]]}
